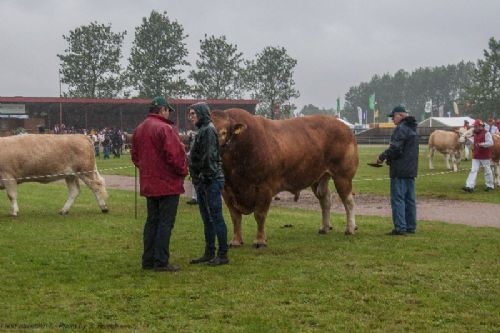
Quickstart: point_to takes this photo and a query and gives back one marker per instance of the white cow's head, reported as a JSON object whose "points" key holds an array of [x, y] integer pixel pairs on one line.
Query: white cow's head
{"points": [[464, 134]]}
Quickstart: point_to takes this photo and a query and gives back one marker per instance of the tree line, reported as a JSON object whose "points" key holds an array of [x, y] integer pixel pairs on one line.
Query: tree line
{"points": [[157, 65], [464, 89]]}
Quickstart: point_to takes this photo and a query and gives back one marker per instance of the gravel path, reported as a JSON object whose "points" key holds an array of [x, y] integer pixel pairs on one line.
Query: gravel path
{"points": [[449, 211]]}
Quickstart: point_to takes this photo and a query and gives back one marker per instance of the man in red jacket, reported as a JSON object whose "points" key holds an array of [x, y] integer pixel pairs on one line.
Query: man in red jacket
{"points": [[159, 154], [483, 142]]}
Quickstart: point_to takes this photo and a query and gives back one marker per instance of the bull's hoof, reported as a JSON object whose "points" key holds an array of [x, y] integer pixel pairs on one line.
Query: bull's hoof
{"points": [[356, 228], [63, 212], [322, 232], [348, 233], [105, 210], [235, 245], [259, 245]]}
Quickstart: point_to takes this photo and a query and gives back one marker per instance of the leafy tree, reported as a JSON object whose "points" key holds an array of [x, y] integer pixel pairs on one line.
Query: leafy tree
{"points": [[311, 109], [90, 65], [270, 79], [157, 56], [220, 69], [484, 92]]}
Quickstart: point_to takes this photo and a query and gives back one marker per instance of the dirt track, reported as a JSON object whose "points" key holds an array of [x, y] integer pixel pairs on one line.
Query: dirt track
{"points": [[449, 211]]}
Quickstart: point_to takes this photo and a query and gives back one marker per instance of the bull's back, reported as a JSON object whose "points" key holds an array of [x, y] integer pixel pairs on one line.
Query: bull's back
{"points": [[45, 154]]}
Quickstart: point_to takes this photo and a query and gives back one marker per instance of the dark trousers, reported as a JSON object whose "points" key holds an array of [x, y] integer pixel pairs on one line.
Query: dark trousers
{"points": [[158, 228], [210, 205]]}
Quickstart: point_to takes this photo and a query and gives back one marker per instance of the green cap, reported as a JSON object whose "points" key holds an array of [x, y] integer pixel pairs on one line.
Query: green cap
{"points": [[161, 101]]}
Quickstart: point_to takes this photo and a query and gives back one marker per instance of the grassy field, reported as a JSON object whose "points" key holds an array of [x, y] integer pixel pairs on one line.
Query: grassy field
{"points": [[82, 272], [437, 183]]}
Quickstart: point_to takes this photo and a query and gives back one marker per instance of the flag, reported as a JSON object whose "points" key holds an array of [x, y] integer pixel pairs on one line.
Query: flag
{"points": [[338, 105], [455, 108], [360, 115], [428, 106], [371, 102]]}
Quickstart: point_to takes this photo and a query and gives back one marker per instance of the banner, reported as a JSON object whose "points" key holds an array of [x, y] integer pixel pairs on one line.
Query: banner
{"points": [[455, 108], [360, 115], [338, 105], [371, 102], [428, 106]]}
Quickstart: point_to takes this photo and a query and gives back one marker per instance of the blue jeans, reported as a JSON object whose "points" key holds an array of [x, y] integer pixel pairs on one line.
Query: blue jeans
{"points": [[210, 205], [158, 228], [403, 203]]}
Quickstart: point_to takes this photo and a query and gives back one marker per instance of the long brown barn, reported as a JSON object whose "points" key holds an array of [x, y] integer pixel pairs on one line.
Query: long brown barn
{"points": [[37, 113]]}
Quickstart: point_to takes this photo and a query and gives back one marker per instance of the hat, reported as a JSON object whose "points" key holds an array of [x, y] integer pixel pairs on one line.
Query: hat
{"points": [[397, 109], [161, 101], [466, 121], [478, 122]]}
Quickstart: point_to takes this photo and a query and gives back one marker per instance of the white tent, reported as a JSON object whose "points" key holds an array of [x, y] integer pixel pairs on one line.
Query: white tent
{"points": [[351, 126], [445, 122]]}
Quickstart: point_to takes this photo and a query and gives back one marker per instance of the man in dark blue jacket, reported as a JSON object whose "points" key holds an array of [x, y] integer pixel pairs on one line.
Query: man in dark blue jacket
{"points": [[205, 167], [402, 158]]}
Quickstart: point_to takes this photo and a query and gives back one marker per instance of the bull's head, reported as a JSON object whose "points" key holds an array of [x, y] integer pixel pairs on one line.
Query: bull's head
{"points": [[227, 128]]}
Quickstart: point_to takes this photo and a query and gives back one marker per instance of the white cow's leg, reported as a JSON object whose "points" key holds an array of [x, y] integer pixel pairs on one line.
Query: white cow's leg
{"points": [[73, 192], [322, 192], [454, 162], [431, 156], [97, 184], [11, 189], [447, 160]]}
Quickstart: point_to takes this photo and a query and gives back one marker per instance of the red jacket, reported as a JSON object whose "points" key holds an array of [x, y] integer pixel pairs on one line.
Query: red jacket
{"points": [[481, 153], [160, 156]]}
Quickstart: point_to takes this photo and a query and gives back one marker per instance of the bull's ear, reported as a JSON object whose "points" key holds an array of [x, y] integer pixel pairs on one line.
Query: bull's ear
{"points": [[238, 128]]}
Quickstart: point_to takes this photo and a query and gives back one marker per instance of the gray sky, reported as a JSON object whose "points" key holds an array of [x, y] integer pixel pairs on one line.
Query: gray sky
{"points": [[337, 44]]}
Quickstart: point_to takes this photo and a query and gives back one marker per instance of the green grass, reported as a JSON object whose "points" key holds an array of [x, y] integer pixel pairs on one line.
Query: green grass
{"points": [[82, 271], [437, 183]]}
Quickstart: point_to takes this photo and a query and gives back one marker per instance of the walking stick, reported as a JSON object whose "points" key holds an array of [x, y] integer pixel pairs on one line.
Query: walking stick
{"points": [[135, 195]]}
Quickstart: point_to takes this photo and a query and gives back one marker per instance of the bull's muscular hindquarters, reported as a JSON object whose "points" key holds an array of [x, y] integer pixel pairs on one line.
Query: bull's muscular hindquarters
{"points": [[46, 158], [263, 157]]}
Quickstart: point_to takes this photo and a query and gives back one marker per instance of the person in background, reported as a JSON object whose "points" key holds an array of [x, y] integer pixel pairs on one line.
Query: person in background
{"points": [[491, 127], [160, 156], [205, 167], [194, 198], [402, 158], [481, 156], [464, 129]]}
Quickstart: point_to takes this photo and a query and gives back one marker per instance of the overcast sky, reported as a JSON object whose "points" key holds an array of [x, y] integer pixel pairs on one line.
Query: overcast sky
{"points": [[337, 44]]}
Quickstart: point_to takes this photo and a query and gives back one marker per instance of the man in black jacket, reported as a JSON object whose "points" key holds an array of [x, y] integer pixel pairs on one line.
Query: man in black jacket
{"points": [[402, 158], [205, 167]]}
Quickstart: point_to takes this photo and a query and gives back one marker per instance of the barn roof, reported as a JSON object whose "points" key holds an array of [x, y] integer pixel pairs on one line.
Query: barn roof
{"points": [[445, 122]]}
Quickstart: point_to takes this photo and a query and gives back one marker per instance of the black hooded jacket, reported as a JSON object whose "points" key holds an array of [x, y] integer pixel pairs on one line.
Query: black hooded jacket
{"points": [[402, 154], [205, 163]]}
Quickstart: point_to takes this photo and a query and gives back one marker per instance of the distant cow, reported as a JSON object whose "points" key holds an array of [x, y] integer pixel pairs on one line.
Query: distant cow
{"points": [[449, 143], [495, 159], [263, 157], [46, 158]]}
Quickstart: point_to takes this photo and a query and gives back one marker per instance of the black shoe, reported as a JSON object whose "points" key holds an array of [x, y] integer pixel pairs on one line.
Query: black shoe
{"points": [[167, 268], [147, 267], [192, 202], [395, 232], [487, 189], [204, 258], [410, 231], [217, 261], [468, 189]]}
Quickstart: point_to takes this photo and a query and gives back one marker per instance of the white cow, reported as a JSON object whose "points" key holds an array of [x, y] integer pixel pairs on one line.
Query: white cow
{"points": [[45, 158], [449, 143]]}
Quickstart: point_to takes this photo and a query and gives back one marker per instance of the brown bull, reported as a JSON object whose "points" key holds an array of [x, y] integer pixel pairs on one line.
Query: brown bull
{"points": [[46, 158], [263, 157]]}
